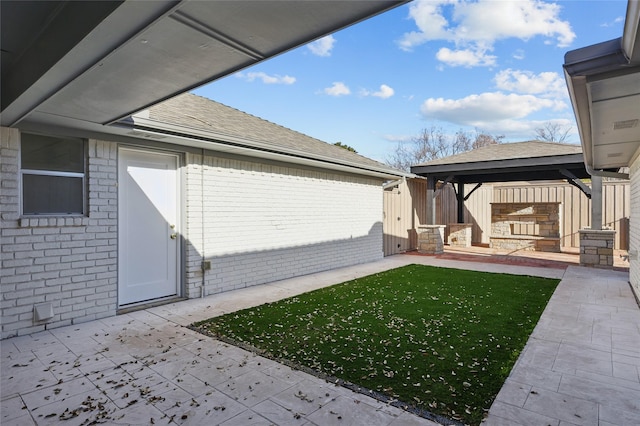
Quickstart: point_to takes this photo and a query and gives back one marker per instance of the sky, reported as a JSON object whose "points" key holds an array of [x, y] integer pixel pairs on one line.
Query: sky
{"points": [[493, 66]]}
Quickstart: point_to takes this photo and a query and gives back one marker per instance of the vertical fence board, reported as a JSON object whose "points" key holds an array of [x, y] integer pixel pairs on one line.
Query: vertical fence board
{"points": [[408, 203]]}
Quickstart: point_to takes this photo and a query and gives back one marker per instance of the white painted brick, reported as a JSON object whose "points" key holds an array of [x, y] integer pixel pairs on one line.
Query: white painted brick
{"points": [[45, 275], [16, 247], [83, 264], [15, 279], [15, 231], [46, 246], [71, 272], [57, 266], [17, 262], [634, 233], [29, 269]]}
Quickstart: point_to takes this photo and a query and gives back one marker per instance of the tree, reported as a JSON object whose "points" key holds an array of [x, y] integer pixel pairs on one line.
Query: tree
{"points": [[345, 146], [553, 132], [485, 139], [433, 143]]}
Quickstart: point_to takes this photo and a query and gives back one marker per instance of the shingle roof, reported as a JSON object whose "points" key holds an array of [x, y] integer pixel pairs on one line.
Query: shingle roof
{"points": [[507, 162], [220, 121], [508, 151]]}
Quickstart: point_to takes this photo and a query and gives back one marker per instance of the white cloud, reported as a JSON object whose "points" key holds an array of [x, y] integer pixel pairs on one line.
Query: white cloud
{"points": [[485, 108], [323, 46], [385, 92], [398, 138], [465, 58], [519, 54], [523, 19], [547, 84], [618, 20], [523, 129], [266, 78], [338, 88], [476, 26], [432, 25]]}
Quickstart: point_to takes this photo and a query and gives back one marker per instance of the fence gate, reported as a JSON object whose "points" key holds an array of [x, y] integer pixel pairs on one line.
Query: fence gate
{"points": [[404, 208]]}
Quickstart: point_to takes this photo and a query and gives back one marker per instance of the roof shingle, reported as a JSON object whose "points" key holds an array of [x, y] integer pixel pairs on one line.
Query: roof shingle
{"points": [[508, 151], [199, 113]]}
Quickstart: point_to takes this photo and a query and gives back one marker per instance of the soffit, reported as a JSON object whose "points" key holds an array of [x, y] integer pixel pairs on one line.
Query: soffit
{"points": [[604, 85], [93, 64]]}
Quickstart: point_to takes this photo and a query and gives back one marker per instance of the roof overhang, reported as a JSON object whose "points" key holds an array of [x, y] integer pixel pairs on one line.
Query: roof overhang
{"points": [[86, 64], [604, 86], [137, 126], [507, 170]]}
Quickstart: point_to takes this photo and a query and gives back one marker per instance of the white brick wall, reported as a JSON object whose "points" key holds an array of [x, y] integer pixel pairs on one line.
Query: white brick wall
{"points": [[255, 222], [68, 261], [634, 232], [266, 222]]}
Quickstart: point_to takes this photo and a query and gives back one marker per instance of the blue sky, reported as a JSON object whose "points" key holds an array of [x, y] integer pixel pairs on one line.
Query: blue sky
{"points": [[490, 65]]}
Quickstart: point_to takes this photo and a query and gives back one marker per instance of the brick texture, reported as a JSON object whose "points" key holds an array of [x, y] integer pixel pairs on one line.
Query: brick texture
{"points": [[634, 233], [68, 261], [266, 222], [254, 222]]}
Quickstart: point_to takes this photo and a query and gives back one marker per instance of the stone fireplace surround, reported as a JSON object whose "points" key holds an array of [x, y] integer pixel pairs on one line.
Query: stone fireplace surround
{"points": [[526, 226]]}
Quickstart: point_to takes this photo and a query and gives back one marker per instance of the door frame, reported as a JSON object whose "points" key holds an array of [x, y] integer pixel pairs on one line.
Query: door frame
{"points": [[180, 221]]}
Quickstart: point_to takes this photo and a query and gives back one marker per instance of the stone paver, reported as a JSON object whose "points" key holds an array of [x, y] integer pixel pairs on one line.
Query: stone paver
{"points": [[581, 366]]}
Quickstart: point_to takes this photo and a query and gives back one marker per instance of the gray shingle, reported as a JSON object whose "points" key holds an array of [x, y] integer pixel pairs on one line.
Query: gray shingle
{"points": [[508, 151], [196, 112]]}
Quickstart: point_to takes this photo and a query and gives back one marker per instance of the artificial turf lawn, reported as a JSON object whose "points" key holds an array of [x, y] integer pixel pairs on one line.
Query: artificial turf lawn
{"points": [[442, 340]]}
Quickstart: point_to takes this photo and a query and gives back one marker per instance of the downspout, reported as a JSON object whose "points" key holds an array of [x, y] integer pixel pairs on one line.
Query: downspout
{"points": [[604, 173], [202, 268], [394, 183], [596, 193]]}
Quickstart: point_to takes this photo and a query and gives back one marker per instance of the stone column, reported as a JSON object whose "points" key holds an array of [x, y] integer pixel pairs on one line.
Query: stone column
{"points": [[431, 239], [596, 248], [460, 234]]}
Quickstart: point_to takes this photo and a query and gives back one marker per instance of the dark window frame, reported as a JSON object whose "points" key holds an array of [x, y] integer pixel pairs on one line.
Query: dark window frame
{"points": [[54, 173]]}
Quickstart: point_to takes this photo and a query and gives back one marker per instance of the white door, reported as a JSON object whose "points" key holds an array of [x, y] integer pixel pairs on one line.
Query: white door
{"points": [[148, 226]]}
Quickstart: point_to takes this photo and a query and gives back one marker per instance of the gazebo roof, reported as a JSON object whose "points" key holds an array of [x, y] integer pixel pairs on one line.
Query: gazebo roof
{"points": [[521, 161]]}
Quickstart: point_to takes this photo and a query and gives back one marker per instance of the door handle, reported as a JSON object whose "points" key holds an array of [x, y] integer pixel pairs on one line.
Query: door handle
{"points": [[173, 236]]}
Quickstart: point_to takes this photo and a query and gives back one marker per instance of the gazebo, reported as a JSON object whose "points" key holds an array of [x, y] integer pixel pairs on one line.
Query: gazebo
{"points": [[509, 162]]}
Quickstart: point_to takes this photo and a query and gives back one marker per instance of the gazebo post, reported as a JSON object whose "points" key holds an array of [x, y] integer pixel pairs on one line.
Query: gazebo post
{"points": [[431, 200], [460, 199], [596, 203]]}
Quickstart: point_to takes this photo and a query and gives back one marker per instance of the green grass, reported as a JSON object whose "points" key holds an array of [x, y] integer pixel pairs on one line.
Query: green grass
{"points": [[440, 340]]}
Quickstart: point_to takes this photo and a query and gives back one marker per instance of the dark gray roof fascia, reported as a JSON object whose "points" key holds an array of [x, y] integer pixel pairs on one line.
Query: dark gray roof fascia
{"points": [[498, 164], [596, 59]]}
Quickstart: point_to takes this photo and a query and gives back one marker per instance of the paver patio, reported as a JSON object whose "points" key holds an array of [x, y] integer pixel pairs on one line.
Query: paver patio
{"points": [[581, 365]]}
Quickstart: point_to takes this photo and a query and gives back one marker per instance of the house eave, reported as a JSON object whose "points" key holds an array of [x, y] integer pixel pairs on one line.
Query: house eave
{"points": [[143, 128], [603, 81]]}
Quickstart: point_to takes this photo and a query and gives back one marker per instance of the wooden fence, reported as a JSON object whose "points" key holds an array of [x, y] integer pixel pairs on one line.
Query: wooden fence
{"points": [[404, 208], [575, 210]]}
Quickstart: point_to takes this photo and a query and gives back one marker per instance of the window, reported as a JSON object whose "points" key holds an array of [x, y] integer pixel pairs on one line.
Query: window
{"points": [[53, 175]]}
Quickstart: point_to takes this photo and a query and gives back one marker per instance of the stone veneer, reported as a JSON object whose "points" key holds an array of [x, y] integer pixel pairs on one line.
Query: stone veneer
{"points": [[596, 248], [431, 239], [460, 234], [525, 226]]}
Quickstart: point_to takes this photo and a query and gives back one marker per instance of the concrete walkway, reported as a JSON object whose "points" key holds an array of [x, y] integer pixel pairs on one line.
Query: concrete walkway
{"points": [[581, 366]]}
